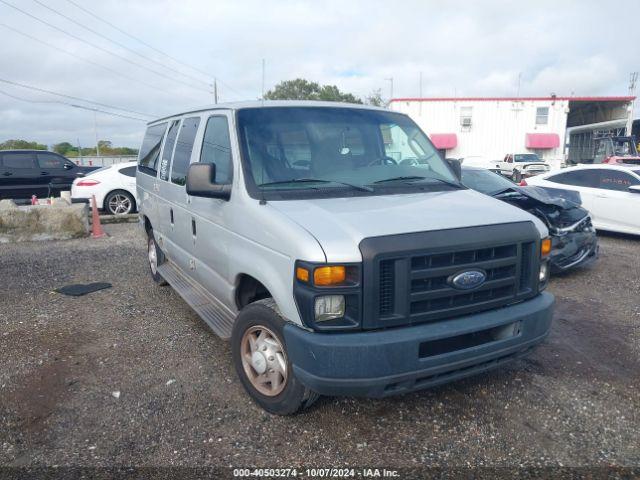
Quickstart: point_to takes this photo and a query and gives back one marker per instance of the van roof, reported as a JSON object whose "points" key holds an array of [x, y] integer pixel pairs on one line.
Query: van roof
{"points": [[272, 103]]}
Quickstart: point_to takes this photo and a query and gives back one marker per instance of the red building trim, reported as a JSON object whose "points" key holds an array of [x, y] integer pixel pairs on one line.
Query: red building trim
{"points": [[542, 140], [445, 141]]}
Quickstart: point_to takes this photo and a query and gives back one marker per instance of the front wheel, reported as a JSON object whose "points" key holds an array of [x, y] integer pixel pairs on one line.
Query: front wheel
{"points": [[260, 359]]}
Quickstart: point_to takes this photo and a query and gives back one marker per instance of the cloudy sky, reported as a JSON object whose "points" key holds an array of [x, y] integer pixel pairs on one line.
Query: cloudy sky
{"points": [[156, 57]]}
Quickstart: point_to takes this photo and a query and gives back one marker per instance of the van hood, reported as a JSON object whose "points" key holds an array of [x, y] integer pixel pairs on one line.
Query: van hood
{"points": [[340, 224]]}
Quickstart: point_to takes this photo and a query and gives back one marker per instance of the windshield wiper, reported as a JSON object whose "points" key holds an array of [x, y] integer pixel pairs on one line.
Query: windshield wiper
{"points": [[409, 178], [364, 188], [397, 179]]}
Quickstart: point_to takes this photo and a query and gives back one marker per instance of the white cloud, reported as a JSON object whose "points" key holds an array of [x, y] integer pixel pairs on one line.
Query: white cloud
{"points": [[463, 48]]}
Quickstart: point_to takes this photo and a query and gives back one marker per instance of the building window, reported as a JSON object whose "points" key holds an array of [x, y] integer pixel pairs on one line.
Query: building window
{"points": [[542, 115], [465, 116]]}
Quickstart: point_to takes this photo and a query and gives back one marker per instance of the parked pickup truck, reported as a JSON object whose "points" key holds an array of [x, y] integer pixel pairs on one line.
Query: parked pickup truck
{"points": [[24, 173], [298, 231], [522, 165]]}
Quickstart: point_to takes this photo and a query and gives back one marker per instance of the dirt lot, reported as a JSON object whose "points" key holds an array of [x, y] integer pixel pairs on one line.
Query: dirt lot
{"points": [[574, 402]]}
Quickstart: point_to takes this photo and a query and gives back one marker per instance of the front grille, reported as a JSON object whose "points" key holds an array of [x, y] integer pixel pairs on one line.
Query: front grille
{"points": [[416, 286], [387, 286]]}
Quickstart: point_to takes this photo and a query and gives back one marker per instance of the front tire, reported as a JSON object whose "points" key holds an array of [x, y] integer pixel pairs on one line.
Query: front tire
{"points": [[260, 359]]}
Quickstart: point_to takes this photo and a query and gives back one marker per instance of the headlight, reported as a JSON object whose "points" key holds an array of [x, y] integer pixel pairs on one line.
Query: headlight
{"points": [[329, 307], [329, 297], [544, 272]]}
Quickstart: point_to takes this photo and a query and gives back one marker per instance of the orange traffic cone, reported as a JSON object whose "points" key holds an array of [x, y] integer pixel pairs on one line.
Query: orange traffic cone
{"points": [[96, 228]]}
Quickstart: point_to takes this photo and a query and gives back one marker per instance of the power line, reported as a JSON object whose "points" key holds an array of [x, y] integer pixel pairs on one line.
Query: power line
{"points": [[55, 47], [124, 32], [100, 48], [121, 45], [70, 105], [74, 98], [115, 27]]}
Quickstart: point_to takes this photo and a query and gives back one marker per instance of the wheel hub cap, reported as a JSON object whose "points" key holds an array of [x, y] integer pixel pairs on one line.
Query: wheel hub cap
{"points": [[264, 360], [259, 362]]}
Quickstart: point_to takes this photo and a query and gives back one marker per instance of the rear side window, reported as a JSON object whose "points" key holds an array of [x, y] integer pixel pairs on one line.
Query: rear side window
{"points": [[49, 160], [184, 147], [216, 148], [128, 171], [150, 149], [19, 160], [578, 178], [167, 151], [615, 180]]}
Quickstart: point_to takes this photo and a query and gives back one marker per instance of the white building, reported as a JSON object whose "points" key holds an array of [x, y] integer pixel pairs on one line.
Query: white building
{"points": [[493, 127]]}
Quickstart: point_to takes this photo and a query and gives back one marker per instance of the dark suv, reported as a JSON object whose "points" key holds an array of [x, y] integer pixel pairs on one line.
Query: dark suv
{"points": [[24, 173]]}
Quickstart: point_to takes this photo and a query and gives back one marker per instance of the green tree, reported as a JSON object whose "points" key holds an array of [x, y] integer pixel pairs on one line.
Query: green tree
{"points": [[21, 144], [301, 89], [375, 99], [63, 148], [104, 144]]}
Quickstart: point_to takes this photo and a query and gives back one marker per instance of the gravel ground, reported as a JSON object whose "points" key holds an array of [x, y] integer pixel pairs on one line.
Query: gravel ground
{"points": [[131, 376]]}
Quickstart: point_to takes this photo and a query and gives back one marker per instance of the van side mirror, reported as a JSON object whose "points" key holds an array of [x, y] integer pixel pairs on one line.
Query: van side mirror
{"points": [[634, 188], [456, 167], [201, 182]]}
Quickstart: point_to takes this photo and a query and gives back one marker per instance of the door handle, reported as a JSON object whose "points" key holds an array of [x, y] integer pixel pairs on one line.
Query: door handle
{"points": [[44, 173], [600, 195], [7, 174]]}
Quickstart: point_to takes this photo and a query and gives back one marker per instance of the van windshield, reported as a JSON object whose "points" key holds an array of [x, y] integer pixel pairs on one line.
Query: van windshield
{"points": [[325, 151]]}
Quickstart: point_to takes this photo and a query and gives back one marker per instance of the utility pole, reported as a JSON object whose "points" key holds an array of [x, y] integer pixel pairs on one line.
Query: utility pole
{"points": [[215, 91], [95, 129], [79, 152], [633, 80], [263, 79], [420, 94], [390, 80]]}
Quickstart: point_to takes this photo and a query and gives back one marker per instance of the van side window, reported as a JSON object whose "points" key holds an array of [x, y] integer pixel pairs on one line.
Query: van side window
{"points": [[184, 147], [167, 151], [150, 149], [216, 148]]}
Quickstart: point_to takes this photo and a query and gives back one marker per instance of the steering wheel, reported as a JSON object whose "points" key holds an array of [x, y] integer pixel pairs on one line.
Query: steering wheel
{"points": [[382, 161]]}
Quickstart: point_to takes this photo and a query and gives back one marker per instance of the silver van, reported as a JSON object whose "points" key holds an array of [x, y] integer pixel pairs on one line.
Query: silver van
{"points": [[337, 250]]}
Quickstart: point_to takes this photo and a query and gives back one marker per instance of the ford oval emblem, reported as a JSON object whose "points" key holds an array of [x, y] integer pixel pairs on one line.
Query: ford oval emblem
{"points": [[468, 280]]}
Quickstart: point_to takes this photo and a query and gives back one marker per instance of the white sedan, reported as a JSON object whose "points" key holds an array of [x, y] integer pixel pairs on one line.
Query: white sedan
{"points": [[610, 192], [114, 188]]}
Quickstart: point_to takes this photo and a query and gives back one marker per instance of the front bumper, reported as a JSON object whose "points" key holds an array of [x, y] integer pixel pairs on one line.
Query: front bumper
{"points": [[397, 360], [573, 250]]}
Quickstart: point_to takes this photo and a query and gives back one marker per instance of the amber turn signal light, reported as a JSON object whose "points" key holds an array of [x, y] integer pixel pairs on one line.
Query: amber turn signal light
{"points": [[333, 275], [545, 247], [302, 274]]}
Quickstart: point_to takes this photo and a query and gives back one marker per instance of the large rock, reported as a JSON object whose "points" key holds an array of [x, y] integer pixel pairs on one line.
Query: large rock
{"points": [[42, 222]]}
